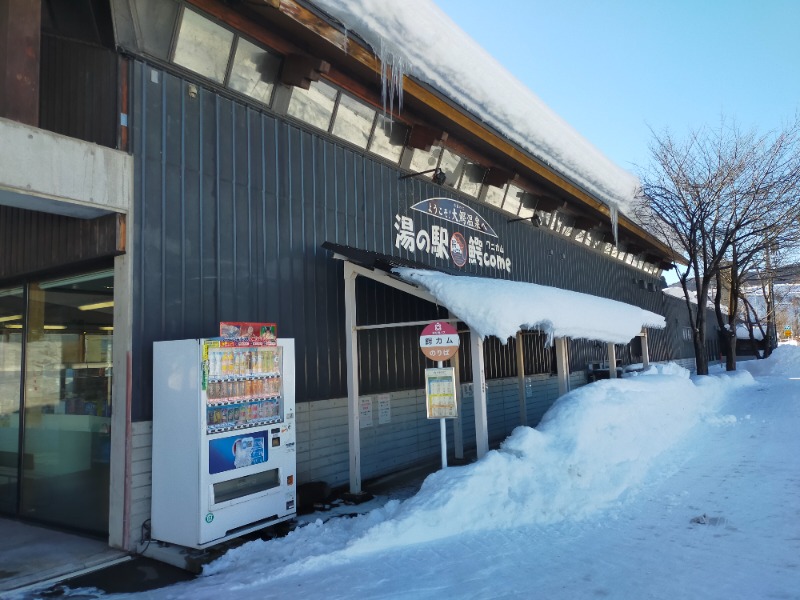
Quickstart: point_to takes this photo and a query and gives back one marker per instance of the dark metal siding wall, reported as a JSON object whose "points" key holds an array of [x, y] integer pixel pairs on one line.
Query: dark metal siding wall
{"points": [[78, 90], [232, 206]]}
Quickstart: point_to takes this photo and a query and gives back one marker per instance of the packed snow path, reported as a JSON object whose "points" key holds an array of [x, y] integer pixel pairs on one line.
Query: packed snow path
{"points": [[653, 487]]}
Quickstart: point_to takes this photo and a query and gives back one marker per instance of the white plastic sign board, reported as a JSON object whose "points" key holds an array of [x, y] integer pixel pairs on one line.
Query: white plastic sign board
{"points": [[440, 393]]}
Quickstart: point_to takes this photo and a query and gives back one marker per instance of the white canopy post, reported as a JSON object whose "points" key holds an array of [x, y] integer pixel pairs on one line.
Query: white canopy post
{"points": [[523, 407], [645, 350], [351, 336], [562, 365], [612, 361], [479, 394], [458, 428]]}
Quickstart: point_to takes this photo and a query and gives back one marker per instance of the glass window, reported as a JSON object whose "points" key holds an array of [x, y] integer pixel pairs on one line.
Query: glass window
{"points": [[254, 71], [451, 164], [11, 320], [388, 138], [524, 212], [314, 105], [472, 179], [495, 195], [513, 199], [203, 46], [353, 121], [154, 22], [526, 204], [425, 160], [67, 403]]}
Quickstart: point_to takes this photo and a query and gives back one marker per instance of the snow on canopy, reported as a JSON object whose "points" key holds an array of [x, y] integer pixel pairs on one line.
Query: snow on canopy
{"points": [[500, 308], [417, 37]]}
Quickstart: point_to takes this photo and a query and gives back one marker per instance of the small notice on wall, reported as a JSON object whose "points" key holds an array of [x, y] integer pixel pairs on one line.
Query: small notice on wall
{"points": [[384, 409], [365, 414]]}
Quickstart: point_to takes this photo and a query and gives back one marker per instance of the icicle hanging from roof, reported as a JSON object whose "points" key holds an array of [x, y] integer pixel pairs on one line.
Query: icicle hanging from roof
{"points": [[393, 69], [614, 211]]}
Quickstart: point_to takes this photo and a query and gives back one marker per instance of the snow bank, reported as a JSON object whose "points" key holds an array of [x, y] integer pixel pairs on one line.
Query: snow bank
{"points": [[501, 308], [784, 361], [419, 37], [592, 451]]}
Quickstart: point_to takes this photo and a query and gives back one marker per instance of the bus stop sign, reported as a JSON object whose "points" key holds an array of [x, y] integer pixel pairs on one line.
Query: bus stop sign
{"points": [[439, 341]]}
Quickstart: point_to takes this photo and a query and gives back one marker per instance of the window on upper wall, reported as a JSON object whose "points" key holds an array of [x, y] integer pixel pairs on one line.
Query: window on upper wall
{"points": [[472, 179], [314, 105], [513, 199], [353, 121], [526, 204], [388, 139], [151, 27], [203, 46], [425, 160], [254, 72], [495, 195], [451, 165]]}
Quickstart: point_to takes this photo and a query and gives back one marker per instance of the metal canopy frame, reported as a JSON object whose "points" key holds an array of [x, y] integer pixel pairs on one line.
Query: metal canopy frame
{"points": [[351, 272], [378, 271]]}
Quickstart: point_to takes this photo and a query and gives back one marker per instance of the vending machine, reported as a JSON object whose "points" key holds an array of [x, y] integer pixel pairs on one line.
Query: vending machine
{"points": [[224, 455]]}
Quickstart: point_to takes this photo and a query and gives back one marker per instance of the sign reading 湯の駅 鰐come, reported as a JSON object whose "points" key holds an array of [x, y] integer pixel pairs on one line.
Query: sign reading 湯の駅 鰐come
{"points": [[439, 341], [461, 235]]}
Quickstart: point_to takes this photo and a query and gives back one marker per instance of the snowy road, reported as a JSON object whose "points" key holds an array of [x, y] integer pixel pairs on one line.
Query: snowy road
{"points": [[654, 487]]}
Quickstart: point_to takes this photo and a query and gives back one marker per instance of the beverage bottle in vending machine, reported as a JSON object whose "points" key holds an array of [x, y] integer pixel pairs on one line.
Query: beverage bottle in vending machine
{"points": [[212, 364]]}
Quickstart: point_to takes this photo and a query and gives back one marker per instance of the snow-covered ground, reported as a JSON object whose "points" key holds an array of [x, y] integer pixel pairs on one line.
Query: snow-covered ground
{"points": [[655, 486]]}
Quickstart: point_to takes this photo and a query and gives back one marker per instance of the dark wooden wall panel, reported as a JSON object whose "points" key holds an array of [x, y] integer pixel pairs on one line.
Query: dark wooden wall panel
{"points": [[78, 90], [34, 243]]}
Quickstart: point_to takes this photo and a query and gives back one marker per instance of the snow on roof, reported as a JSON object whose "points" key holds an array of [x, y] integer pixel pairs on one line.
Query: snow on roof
{"points": [[742, 333], [500, 308], [417, 37]]}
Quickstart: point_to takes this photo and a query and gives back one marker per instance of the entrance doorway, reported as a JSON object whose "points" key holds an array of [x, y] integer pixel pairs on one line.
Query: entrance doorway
{"points": [[55, 400]]}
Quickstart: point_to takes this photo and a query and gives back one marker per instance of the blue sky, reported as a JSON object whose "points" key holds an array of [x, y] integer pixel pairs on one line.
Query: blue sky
{"points": [[614, 69]]}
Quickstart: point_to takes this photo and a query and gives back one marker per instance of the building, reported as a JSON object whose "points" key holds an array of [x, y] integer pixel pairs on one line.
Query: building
{"points": [[169, 164]]}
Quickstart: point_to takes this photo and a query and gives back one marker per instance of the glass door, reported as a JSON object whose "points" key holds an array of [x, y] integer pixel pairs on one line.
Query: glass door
{"points": [[12, 303], [67, 402]]}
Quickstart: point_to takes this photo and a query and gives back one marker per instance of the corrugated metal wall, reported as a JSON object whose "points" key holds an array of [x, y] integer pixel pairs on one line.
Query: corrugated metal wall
{"points": [[232, 206]]}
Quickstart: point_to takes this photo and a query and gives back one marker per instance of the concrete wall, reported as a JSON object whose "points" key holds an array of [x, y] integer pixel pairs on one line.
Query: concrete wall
{"points": [[52, 173]]}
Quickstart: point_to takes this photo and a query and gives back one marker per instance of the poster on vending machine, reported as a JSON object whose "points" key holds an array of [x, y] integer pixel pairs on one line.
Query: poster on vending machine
{"points": [[236, 452], [264, 332]]}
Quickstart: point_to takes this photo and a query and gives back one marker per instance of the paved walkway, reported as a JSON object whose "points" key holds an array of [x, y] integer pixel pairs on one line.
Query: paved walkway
{"points": [[30, 555]]}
